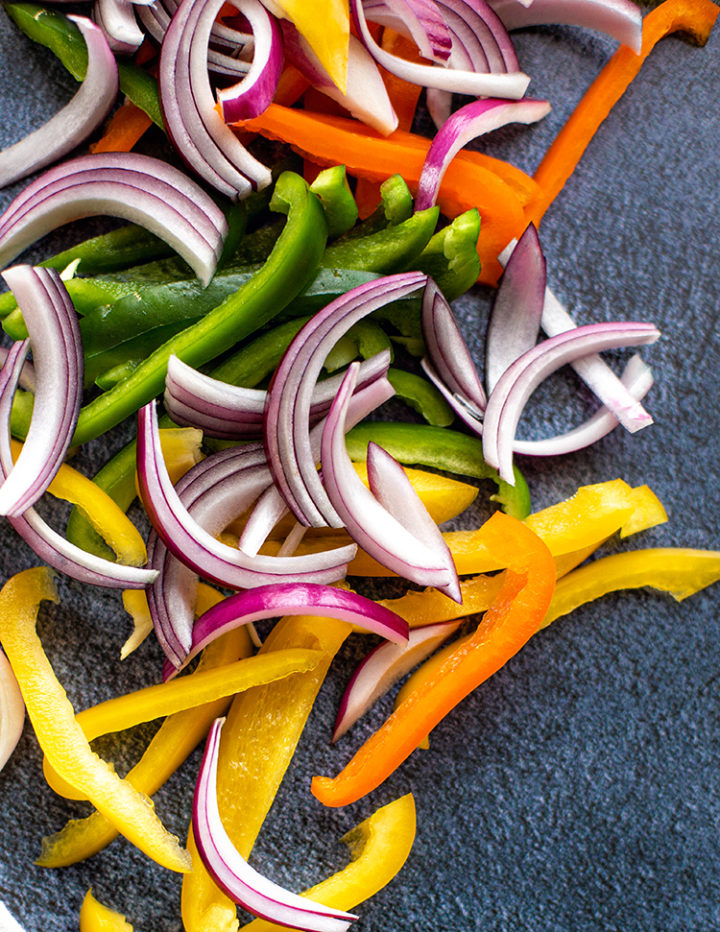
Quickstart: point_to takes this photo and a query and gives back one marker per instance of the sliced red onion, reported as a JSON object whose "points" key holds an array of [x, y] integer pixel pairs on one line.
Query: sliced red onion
{"points": [[620, 19], [471, 121], [27, 375], [57, 352], [195, 127], [271, 506], [76, 121], [215, 492], [637, 379], [296, 599], [592, 369], [233, 874], [200, 551], [368, 522], [116, 19], [419, 20], [479, 37], [144, 190], [517, 307], [47, 544], [234, 412], [477, 84], [12, 710], [287, 432], [506, 402], [448, 351], [383, 667], [252, 95], [365, 96]]}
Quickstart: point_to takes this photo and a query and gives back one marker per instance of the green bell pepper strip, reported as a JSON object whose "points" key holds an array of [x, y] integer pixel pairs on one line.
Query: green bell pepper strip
{"points": [[59, 34], [439, 448], [396, 205], [288, 269], [365, 339], [338, 203], [422, 397], [386, 251], [451, 256]]}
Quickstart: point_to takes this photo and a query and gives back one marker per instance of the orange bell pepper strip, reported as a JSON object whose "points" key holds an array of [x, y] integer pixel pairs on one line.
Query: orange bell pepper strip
{"points": [[60, 736], [177, 695], [379, 847], [174, 741], [498, 190], [680, 571], [94, 917], [124, 130], [259, 738], [512, 619], [696, 17]]}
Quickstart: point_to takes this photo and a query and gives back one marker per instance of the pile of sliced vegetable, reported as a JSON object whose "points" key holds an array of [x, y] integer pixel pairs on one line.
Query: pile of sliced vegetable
{"points": [[233, 432]]}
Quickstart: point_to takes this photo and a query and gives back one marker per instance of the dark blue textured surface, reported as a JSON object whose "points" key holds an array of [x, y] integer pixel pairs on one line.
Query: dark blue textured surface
{"points": [[578, 789]]}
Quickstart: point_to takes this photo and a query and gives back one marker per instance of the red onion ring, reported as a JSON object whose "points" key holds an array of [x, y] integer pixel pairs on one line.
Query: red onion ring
{"points": [[12, 710]]}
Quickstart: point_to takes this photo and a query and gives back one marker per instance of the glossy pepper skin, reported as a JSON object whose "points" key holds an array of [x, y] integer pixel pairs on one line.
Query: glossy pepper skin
{"points": [[513, 617], [288, 268]]}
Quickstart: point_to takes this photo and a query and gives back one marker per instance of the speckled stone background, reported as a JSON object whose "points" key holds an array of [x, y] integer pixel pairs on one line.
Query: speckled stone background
{"points": [[578, 790]]}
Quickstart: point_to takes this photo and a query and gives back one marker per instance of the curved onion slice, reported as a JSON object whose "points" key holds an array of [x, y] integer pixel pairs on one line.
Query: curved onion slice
{"points": [[116, 19], [47, 544], [296, 599], [251, 96], [620, 19], [368, 522], [471, 121], [12, 710], [200, 551], [214, 492], [383, 667], [76, 121], [506, 402], [27, 376], [236, 413], [420, 20], [233, 874], [57, 352], [144, 190], [271, 506], [448, 351], [517, 307], [478, 36], [195, 127], [475, 83], [287, 432], [365, 96]]}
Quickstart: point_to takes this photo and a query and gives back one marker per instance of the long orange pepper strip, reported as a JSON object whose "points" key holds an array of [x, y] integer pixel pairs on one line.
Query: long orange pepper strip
{"points": [[514, 616], [125, 128], [499, 191], [696, 17]]}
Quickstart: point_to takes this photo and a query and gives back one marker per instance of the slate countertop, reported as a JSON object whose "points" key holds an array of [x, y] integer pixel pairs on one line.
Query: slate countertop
{"points": [[578, 789]]}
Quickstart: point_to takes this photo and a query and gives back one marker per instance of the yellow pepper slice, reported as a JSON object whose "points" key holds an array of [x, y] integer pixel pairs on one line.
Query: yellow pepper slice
{"points": [[173, 742], [326, 27], [107, 518], [94, 917], [59, 735], [679, 571], [259, 738], [179, 694], [379, 847]]}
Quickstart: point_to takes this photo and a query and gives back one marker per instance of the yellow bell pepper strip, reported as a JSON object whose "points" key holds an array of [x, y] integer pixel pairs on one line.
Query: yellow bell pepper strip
{"points": [[260, 734], [696, 17], [173, 742], [679, 571], [590, 516], [94, 917], [512, 619], [59, 735], [106, 517], [185, 692], [326, 27], [379, 847]]}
